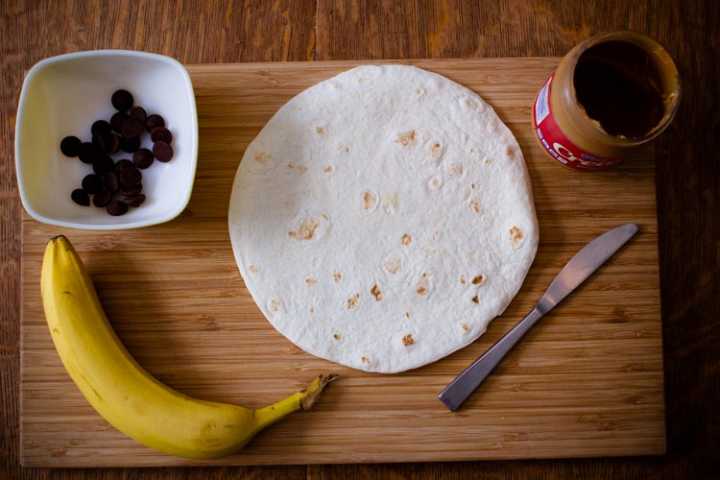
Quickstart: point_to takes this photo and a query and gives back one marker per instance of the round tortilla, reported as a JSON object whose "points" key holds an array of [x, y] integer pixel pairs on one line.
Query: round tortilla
{"points": [[382, 218]]}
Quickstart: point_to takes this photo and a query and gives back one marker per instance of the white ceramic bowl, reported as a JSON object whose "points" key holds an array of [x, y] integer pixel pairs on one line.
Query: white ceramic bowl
{"points": [[63, 96]]}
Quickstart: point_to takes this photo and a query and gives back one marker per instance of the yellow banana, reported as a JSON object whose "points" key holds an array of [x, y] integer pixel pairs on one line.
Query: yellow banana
{"points": [[127, 396]]}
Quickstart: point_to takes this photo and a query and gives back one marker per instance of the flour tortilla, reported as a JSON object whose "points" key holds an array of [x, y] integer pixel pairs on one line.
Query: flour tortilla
{"points": [[382, 218]]}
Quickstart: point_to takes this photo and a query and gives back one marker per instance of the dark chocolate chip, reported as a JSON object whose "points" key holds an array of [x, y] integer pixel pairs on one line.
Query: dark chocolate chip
{"points": [[122, 164], [89, 152], [162, 151], [132, 199], [70, 146], [129, 145], [122, 100], [92, 183], [161, 134], [117, 120], [154, 121], [80, 197], [139, 113], [114, 143], [100, 127], [143, 158], [131, 189], [106, 141], [110, 181], [128, 177], [132, 127], [102, 198], [117, 208], [102, 164]]}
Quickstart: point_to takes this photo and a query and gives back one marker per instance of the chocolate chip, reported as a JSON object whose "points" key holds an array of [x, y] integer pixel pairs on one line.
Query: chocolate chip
{"points": [[100, 127], [110, 181], [129, 145], [80, 197], [106, 141], [143, 158], [89, 152], [128, 177], [122, 164], [132, 127], [117, 120], [132, 199], [131, 189], [161, 134], [102, 164], [117, 208], [92, 183], [70, 146], [122, 100], [154, 121], [102, 198], [162, 151], [139, 113]]}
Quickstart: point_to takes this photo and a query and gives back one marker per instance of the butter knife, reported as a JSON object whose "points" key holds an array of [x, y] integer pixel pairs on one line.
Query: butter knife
{"points": [[575, 272]]}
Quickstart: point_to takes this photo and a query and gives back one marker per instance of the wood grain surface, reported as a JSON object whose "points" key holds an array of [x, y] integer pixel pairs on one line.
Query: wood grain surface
{"points": [[587, 382], [688, 172]]}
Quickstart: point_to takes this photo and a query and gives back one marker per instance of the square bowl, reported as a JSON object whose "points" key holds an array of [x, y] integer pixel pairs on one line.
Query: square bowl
{"points": [[63, 96]]}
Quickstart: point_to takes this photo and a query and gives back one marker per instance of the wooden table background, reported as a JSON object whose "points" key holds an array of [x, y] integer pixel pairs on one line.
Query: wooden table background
{"points": [[688, 172]]}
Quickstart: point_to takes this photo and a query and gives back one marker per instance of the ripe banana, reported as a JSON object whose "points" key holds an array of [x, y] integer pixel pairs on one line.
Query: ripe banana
{"points": [[127, 396]]}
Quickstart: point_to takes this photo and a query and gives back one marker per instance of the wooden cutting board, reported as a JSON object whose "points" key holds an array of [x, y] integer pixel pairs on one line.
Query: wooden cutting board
{"points": [[587, 381]]}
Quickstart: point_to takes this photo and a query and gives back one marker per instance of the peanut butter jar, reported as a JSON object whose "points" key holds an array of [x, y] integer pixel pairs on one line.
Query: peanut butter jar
{"points": [[608, 96]]}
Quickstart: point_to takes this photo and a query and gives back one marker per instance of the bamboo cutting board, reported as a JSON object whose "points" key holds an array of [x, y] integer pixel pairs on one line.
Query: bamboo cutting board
{"points": [[587, 381]]}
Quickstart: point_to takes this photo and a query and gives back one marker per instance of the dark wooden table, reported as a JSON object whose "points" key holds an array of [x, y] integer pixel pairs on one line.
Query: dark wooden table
{"points": [[688, 172]]}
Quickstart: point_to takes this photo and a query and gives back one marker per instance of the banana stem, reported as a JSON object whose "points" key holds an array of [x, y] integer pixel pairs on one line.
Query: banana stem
{"points": [[303, 399]]}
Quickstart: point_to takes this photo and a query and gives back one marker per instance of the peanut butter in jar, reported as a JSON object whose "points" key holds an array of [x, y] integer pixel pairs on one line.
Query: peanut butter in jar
{"points": [[608, 96]]}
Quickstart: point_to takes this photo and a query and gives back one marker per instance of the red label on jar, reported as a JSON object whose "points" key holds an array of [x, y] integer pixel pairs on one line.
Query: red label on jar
{"points": [[554, 140]]}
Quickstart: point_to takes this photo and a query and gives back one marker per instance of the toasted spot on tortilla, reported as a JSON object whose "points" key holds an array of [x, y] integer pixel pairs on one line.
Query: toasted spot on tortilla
{"points": [[275, 304], [436, 150], [407, 315], [364, 359], [328, 169], [475, 299], [310, 281], [420, 91], [375, 291], [455, 169], [509, 151], [344, 148], [478, 280], [300, 169], [337, 336], [406, 138], [475, 206], [406, 239], [392, 265], [435, 183], [253, 268], [353, 301], [516, 236], [462, 280], [337, 276], [465, 327], [423, 285], [369, 200], [306, 230], [320, 130], [261, 157], [408, 340]]}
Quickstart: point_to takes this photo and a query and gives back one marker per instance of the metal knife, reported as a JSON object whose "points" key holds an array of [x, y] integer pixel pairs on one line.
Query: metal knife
{"points": [[575, 272]]}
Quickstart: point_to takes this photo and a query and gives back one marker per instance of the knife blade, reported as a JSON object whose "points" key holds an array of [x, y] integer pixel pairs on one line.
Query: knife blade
{"points": [[574, 273]]}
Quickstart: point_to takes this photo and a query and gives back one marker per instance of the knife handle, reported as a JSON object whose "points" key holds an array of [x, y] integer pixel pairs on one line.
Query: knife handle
{"points": [[469, 379]]}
